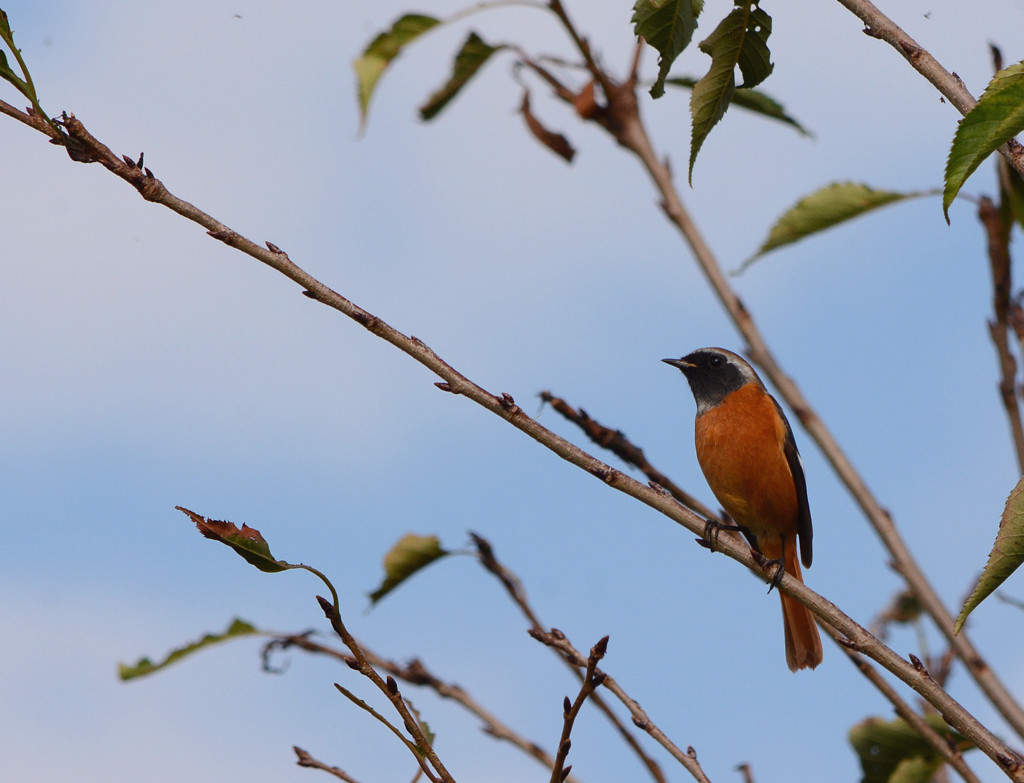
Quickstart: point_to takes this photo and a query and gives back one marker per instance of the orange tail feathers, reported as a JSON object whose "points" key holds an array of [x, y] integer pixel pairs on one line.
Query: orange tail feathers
{"points": [[803, 645]]}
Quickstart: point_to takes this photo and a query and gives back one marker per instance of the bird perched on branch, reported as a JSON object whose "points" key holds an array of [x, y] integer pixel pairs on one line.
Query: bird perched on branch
{"points": [[746, 449]]}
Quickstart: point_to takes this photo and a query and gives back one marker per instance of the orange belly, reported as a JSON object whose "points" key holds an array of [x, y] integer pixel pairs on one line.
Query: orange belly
{"points": [[747, 469]]}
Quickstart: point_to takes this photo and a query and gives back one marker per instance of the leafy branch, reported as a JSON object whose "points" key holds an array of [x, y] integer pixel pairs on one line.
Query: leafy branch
{"points": [[250, 545]]}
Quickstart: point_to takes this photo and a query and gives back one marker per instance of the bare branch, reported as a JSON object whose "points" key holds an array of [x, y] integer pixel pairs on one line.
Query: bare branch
{"points": [[951, 755], [582, 45], [32, 119], [306, 760], [688, 758], [617, 443], [426, 756], [592, 678], [878, 25], [748, 775], [514, 587], [997, 232], [416, 673]]}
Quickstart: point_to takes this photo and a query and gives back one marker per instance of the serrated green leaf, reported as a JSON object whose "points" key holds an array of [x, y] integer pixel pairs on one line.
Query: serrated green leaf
{"points": [[409, 555], [668, 26], [893, 752], [1006, 556], [823, 209], [469, 59], [382, 51], [246, 541], [997, 118], [752, 100], [146, 666], [740, 40]]}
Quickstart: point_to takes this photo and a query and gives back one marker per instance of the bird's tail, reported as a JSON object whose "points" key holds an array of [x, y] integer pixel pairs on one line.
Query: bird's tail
{"points": [[803, 645]]}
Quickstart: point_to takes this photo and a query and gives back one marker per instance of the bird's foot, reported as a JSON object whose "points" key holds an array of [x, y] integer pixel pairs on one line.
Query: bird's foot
{"points": [[765, 563], [712, 530]]}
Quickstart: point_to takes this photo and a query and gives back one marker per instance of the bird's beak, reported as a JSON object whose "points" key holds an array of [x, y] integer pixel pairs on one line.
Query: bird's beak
{"points": [[681, 364]]}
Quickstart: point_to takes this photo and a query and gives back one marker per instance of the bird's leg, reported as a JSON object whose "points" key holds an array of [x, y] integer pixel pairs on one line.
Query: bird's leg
{"points": [[713, 529], [764, 562]]}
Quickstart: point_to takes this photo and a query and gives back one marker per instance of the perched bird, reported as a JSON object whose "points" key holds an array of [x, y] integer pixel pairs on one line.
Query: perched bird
{"points": [[746, 449]]}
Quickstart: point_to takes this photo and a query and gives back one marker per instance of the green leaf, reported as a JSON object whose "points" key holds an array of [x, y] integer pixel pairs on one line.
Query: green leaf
{"points": [[556, 142], [997, 118], [668, 26], [1006, 555], [382, 51], [246, 541], [409, 555], [469, 59], [893, 752], [740, 40], [752, 100], [146, 666], [825, 208]]}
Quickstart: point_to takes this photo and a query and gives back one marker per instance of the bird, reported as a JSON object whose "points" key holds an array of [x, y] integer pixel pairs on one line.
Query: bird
{"points": [[749, 458]]}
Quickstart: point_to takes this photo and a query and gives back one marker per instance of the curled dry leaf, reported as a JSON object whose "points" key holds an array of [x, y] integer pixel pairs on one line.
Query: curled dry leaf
{"points": [[555, 142], [245, 540], [585, 103]]}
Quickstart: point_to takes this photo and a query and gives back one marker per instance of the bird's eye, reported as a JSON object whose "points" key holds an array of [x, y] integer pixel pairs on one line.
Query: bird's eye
{"points": [[717, 360]]}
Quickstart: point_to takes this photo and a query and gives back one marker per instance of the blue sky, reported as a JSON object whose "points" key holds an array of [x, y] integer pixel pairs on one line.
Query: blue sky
{"points": [[147, 366]]}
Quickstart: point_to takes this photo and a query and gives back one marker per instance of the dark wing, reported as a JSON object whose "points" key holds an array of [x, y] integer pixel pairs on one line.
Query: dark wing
{"points": [[803, 524]]}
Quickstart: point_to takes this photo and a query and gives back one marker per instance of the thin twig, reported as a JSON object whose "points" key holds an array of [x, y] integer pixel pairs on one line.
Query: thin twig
{"points": [[582, 46], [951, 755], [557, 640], [617, 443], [997, 233], [592, 679], [378, 717], [306, 760], [878, 25], [416, 673], [426, 756], [514, 587], [31, 118]]}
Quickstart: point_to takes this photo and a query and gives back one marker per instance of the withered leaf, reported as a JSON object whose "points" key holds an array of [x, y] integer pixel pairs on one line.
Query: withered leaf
{"points": [[555, 142]]}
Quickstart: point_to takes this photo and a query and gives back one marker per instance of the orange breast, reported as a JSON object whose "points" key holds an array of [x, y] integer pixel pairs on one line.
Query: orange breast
{"points": [[740, 449]]}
